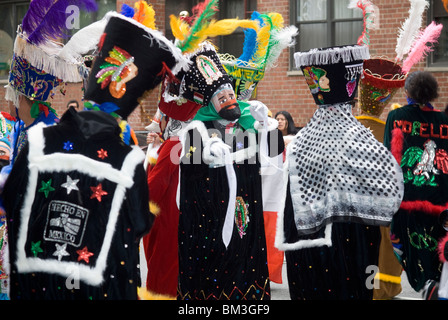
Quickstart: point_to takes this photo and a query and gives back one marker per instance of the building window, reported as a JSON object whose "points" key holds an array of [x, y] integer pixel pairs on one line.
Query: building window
{"points": [[11, 15], [324, 23], [439, 57]]}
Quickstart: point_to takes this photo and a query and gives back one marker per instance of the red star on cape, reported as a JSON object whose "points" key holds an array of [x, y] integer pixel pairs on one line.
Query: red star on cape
{"points": [[84, 254], [98, 192], [102, 154]]}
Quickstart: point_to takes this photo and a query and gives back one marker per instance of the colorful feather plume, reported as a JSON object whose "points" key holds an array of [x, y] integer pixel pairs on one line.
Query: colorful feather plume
{"points": [[445, 5], [370, 16], [422, 45], [410, 28], [145, 14], [250, 39], [127, 10], [46, 19], [203, 26]]}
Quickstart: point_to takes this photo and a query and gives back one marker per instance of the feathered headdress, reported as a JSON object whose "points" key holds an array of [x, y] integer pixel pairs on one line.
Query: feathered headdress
{"points": [[46, 19], [370, 14], [410, 28], [203, 26], [142, 12], [422, 45], [35, 45]]}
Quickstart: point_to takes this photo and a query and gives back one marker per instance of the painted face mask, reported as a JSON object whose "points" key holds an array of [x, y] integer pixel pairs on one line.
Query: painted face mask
{"points": [[225, 103]]}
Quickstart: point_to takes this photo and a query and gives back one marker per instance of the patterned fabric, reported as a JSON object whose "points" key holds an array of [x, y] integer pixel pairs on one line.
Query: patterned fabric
{"points": [[340, 172]]}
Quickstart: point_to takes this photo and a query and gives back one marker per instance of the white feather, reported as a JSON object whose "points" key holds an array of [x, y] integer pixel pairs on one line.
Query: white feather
{"points": [[282, 39], [410, 28]]}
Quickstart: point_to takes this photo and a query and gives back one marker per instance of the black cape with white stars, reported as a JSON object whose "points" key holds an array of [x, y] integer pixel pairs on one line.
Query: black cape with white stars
{"points": [[77, 205]]}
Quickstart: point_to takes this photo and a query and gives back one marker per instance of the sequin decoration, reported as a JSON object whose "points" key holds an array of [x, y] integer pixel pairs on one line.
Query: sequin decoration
{"points": [[116, 71], [241, 216], [98, 192], [46, 187], [84, 254], [70, 184], [68, 146], [35, 248], [102, 154]]}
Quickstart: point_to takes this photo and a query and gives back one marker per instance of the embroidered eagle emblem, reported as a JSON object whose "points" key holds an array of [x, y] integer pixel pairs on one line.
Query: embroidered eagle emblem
{"points": [[426, 164]]}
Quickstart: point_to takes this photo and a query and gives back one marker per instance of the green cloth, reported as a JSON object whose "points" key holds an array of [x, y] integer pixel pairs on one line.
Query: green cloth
{"points": [[246, 120]]}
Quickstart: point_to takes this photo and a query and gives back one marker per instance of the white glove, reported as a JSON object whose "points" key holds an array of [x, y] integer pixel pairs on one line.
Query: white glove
{"points": [[215, 151], [258, 110]]}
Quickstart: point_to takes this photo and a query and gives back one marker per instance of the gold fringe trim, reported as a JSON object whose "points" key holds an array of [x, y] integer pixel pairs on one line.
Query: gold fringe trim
{"points": [[145, 294]]}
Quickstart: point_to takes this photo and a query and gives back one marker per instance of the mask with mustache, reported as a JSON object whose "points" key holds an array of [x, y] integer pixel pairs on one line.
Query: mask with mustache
{"points": [[225, 103]]}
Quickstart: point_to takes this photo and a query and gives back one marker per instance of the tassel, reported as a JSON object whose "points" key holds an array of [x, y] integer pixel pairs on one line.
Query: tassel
{"points": [[410, 28], [420, 48]]}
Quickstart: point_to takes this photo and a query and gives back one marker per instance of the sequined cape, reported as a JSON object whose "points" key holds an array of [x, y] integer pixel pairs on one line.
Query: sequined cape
{"points": [[77, 205]]}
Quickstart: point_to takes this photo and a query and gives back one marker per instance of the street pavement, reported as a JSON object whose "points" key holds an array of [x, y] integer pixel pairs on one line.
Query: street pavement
{"points": [[281, 292]]}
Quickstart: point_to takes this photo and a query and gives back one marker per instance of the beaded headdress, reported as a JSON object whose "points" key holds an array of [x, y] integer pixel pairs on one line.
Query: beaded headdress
{"points": [[37, 66]]}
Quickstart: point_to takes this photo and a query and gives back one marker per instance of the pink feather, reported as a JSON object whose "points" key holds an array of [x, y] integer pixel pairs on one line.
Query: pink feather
{"points": [[422, 45]]}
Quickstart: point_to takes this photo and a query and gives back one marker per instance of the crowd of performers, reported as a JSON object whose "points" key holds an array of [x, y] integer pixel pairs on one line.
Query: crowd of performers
{"points": [[219, 201]]}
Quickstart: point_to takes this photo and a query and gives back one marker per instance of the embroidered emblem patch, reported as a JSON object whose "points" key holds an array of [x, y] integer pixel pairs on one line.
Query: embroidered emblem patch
{"points": [[424, 164], [116, 71], [208, 69], [66, 223], [241, 216]]}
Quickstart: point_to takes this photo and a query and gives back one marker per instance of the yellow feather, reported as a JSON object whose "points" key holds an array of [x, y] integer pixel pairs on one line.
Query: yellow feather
{"points": [[178, 28], [154, 208], [226, 27], [277, 20], [263, 41], [145, 14]]}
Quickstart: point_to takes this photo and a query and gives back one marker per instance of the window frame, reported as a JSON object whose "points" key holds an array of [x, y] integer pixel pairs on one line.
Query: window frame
{"points": [[431, 17], [330, 21]]}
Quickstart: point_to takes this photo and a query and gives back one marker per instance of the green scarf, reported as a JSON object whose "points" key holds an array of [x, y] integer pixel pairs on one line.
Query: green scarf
{"points": [[245, 120]]}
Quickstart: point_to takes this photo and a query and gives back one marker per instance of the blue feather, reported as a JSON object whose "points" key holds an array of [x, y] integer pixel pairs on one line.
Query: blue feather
{"points": [[127, 11], [250, 39], [47, 19]]}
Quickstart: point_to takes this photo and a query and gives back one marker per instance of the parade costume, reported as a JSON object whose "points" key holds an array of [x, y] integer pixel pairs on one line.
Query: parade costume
{"points": [[415, 136], [375, 94], [261, 51], [342, 185], [179, 107], [77, 198], [380, 81], [220, 191]]}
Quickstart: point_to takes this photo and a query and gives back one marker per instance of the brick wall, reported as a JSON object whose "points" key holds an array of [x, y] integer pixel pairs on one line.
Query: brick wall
{"points": [[278, 90]]}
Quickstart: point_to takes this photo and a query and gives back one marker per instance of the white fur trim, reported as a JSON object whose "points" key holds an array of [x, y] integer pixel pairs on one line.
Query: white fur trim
{"points": [[92, 275]]}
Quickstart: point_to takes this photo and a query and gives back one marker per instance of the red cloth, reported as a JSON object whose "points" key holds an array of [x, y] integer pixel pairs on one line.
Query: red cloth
{"points": [[161, 243], [275, 256]]}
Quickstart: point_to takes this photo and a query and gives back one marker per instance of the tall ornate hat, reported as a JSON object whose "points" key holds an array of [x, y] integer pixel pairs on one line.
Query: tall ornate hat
{"points": [[37, 66], [132, 60], [382, 77], [332, 74], [260, 52]]}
